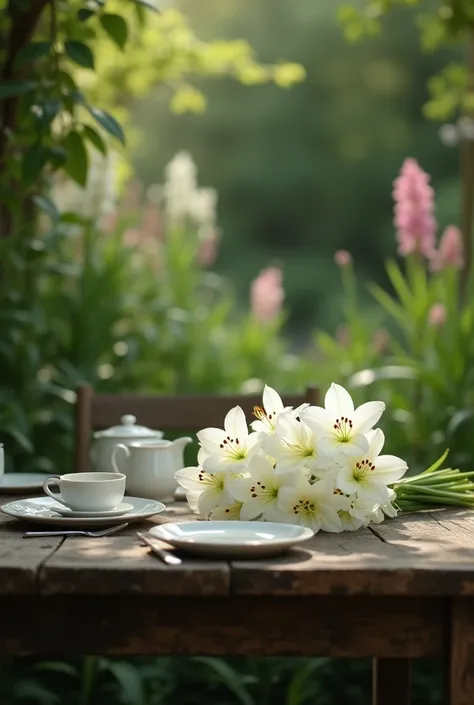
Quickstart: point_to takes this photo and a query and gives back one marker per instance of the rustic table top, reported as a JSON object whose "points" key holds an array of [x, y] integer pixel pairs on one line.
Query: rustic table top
{"points": [[414, 555]]}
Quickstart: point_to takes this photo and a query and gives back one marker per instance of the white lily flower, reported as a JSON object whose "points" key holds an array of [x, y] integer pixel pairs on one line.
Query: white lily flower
{"points": [[369, 474], [204, 490], [227, 449], [293, 445], [258, 492], [340, 427], [272, 407], [315, 506], [357, 514], [227, 512], [389, 509]]}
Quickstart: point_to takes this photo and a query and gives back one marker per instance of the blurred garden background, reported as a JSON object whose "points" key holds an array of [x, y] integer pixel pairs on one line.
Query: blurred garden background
{"points": [[198, 197]]}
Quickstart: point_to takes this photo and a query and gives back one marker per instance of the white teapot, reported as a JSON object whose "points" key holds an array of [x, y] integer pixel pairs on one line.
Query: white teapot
{"points": [[127, 432], [150, 466]]}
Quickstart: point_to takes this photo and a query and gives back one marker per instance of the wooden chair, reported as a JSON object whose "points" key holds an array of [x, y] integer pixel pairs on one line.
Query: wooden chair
{"points": [[168, 413]]}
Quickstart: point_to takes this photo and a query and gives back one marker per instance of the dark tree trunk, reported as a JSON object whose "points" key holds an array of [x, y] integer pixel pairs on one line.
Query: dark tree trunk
{"points": [[23, 19]]}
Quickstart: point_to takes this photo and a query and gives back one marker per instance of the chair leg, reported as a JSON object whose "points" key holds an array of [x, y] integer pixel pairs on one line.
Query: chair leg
{"points": [[391, 681]]}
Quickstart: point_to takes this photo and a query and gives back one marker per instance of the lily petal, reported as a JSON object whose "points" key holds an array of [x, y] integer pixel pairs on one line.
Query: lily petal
{"points": [[329, 519], [389, 468], [210, 439], [366, 416], [376, 440], [356, 446], [235, 423], [272, 402], [338, 401], [317, 419]]}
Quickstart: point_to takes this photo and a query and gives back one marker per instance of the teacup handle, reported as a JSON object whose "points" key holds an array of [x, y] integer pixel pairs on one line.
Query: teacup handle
{"points": [[52, 481], [113, 457]]}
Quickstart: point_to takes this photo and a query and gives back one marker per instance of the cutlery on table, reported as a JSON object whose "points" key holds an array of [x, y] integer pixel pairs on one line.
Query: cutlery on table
{"points": [[91, 534], [166, 557]]}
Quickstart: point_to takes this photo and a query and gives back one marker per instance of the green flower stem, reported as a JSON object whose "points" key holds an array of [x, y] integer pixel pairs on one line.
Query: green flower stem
{"points": [[434, 492], [425, 503]]}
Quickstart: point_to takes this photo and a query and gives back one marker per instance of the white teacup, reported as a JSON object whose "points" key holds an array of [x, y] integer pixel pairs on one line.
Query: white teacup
{"points": [[88, 491]]}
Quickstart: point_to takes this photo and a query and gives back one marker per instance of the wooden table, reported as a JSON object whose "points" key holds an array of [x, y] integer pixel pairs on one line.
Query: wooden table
{"points": [[397, 591]]}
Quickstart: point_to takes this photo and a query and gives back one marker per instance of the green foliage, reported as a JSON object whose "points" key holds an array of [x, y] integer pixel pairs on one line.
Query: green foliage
{"points": [[446, 22], [422, 369], [192, 681]]}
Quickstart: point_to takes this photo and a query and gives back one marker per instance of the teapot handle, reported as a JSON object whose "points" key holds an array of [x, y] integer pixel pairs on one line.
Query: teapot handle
{"points": [[113, 455]]}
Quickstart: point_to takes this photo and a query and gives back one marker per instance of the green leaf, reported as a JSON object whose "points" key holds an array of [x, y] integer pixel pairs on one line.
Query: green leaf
{"points": [[95, 139], [46, 111], [77, 164], [80, 53], [108, 122], [58, 156], [47, 206], [12, 88], [228, 677], [31, 52], [129, 679], [33, 163], [22, 440], [116, 27], [84, 14]]}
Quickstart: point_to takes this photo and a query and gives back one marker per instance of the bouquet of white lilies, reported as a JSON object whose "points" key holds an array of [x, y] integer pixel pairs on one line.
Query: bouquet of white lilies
{"points": [[318, 467]]}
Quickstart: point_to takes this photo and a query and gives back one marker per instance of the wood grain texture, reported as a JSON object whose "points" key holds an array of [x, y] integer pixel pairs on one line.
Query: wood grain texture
{"points": [[20, 563], [349, 627], [461, 669], [411, 555], [391, 681], [118, 565]]}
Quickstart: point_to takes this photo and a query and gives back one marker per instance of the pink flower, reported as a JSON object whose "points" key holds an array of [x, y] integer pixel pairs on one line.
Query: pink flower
{"points": [[414, 205], [267, 294], [207, 251], [343, 258], [437, 315], [450, 252]]}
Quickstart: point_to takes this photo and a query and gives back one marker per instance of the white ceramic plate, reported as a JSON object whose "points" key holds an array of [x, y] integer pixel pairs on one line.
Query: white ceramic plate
{"points": [[232, 539], [22, 482], [122, 508], [41, 510]]}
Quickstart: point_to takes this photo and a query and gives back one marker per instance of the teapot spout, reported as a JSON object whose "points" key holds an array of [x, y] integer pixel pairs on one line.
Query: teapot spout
{"points": [[181, 443]]}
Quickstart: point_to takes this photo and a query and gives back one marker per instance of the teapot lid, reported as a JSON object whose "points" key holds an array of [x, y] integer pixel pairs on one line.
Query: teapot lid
{"points": [[128, 429]]}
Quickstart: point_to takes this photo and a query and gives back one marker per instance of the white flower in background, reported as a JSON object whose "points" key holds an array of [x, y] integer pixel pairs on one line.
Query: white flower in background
{"points": [[272, 407], [202, 206], [340, 427], [315, 506], [258, 491], [227, 449], [227, 512], [99, 196], [180, 186], [204, 490], [293, 445], [369, 474]]}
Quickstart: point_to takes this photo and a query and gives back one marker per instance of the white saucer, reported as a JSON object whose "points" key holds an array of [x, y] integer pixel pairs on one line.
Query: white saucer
{"points": [[44, 510], [22, 482], [232, 539], [119, 511]]}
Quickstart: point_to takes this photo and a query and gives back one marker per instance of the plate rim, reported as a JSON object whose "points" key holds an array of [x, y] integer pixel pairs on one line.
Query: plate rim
{"points": [[159, 532], [61, 520]]}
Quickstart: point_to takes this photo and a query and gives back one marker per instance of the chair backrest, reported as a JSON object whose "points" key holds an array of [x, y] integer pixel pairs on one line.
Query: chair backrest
{"points": [[168, 413]]}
